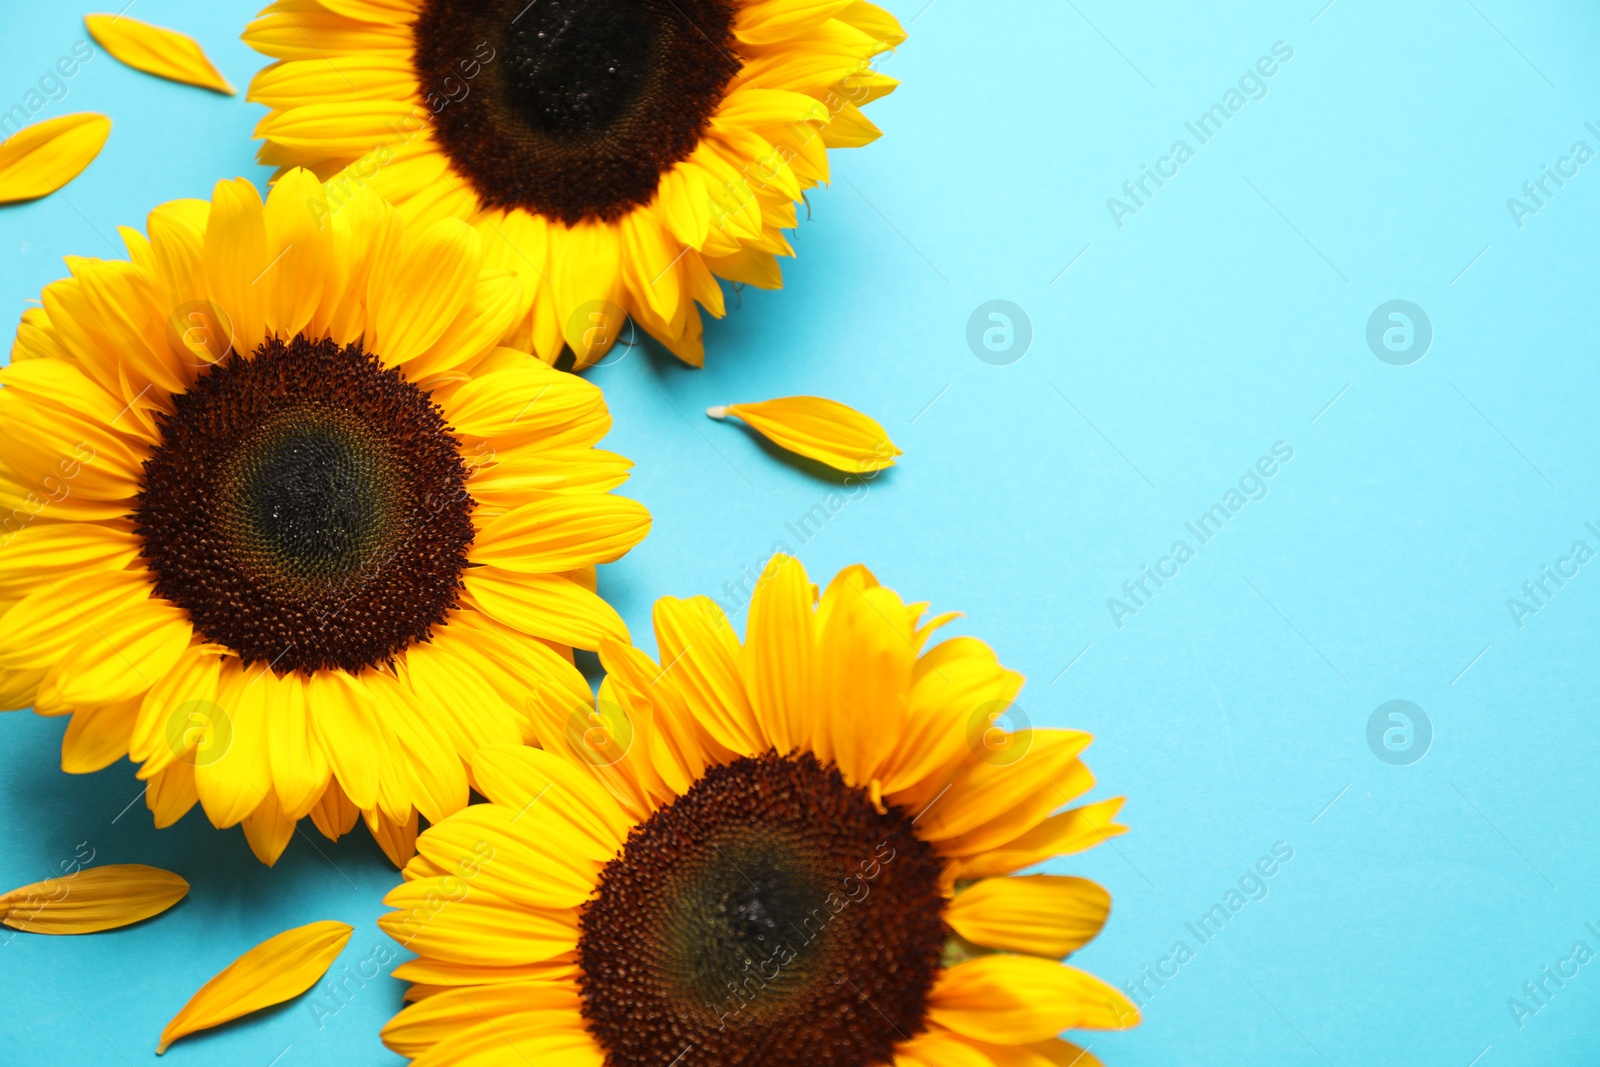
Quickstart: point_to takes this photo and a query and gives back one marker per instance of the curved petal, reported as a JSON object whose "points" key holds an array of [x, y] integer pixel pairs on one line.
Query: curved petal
{"points": [[1040, 914], [1011, 1000]]}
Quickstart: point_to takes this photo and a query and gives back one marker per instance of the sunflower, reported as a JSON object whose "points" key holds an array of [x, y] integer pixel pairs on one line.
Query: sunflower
{"points": [[797, 852], [619, 156], [280, 519]]}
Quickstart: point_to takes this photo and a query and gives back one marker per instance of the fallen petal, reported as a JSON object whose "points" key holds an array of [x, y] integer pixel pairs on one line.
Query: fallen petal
{"points": [[278, 969], [820, 429], [39, 159], [155, 50]]}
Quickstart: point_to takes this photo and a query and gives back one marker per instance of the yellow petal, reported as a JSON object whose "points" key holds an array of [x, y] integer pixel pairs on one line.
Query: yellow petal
{"points": [[1017, 999], [232, 773], [516, 775], [441, 1018], [98, 898], [545, 605], [779, 651], [1059, 835], [268, 830], [43, 157], [701, 650], [154, 50], [126, 653], [1052, 1053], [398, 840], [1040, 914], [557, 532], [863, 672], [235, 256], [278, 969], [97, 737], [940, 1048], [171, 794], [301, 247], [413, 298], [820, 429], [525, 398]]}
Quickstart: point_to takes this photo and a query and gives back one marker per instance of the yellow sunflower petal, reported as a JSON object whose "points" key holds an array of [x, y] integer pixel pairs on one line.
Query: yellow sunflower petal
{"points": [[171, 795], [442, 917], [556, 532], [820, 429], [300, 251], [178, 713], [235, 256], [1011, 1000], [43, 157], [156, 50], [1041, 914], [300, 770], [516, 1041], [235, 776], [1052, 1053], [18, 689], [701, 650], [528, 398], [939, 1047], [1045, 776], [434, 976], [97, 737], [534, 860], [413, 298], [335, 815], [1059, 835], [545, 605], [52, 618], [346, 728], [267, 830], [127, 653], [96, 898], [779, 651], [278, 969], [516, 776], [424, 1024], [398, 840], [864, 659], [54, 547]]}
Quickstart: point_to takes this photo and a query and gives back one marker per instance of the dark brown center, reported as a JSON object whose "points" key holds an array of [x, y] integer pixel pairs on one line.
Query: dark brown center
{"points": [[571, 108], [770, 915], [307, 507]]}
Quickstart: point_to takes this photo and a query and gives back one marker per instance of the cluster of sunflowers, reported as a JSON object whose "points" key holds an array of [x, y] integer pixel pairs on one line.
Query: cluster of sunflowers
{"points": [[298, 512]]}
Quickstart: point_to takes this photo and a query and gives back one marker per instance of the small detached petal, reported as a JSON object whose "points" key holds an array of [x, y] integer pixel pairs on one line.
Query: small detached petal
{"points": [[94, 899], [155, 50], [41, 158], [820, 429], [278, 969]]}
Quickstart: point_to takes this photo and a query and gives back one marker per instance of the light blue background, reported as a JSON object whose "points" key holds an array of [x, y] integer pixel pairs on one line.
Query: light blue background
{"points": [[1228, 314]]}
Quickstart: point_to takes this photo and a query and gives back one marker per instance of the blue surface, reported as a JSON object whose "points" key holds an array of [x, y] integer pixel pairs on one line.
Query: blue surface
{"points": [[1229, 313]]}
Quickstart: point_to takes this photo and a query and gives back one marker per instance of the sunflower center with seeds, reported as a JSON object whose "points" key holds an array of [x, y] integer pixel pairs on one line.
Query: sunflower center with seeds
{"points": [[769, 915], [307, 507], [571, 108]]}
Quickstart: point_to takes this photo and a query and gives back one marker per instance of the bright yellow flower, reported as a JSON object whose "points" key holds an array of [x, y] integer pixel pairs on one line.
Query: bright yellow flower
{"points": [[281, 520], [618, 156], [795, 852]]}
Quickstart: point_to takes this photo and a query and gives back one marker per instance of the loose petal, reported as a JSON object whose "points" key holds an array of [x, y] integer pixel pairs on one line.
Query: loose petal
{"points": [[278, 969], [820, 429], [43, 157], [154, 50], [98, 898]]}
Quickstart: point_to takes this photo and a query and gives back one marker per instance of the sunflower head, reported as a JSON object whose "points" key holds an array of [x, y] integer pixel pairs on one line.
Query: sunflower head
{"points": [[282, 519], [797, 850], [618, 157]]}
